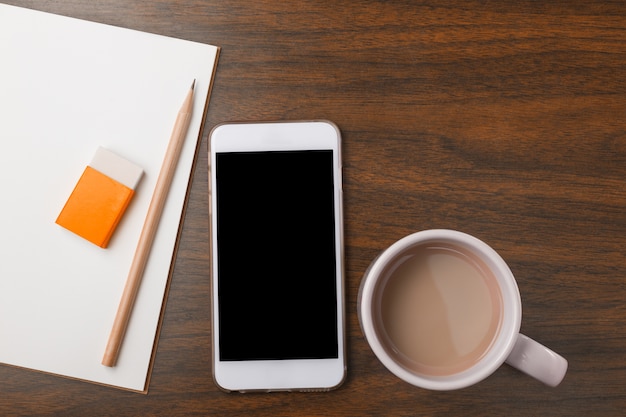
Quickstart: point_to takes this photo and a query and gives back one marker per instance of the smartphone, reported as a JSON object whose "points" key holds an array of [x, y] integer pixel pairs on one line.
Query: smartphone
{"points": [[277, 256]]}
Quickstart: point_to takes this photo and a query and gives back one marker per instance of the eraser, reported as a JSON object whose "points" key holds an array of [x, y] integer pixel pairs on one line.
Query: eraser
{"points": [[100, 197]]}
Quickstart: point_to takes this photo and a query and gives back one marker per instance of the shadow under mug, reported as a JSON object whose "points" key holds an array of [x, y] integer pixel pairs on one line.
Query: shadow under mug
{"points": [[508, 344]]}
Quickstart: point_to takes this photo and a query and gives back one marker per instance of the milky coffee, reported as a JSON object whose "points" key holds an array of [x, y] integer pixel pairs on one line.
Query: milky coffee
{"points": [[440, 308]]}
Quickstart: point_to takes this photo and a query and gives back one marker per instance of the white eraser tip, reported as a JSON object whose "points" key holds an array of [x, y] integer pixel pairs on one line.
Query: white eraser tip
{"points": [[116, 167]]}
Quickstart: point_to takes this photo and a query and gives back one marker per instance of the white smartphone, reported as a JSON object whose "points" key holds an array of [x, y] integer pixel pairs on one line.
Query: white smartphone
{"points": [[277, 256]]}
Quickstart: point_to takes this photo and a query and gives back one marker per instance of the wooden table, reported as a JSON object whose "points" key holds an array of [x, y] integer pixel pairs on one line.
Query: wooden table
{"points": [[506, 120]]}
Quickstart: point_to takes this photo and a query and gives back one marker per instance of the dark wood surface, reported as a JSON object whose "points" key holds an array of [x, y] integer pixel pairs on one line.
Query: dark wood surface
{"points": [[506, 120]]}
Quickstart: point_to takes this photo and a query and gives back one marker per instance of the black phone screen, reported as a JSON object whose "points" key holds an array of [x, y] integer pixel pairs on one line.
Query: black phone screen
{"points": [[277, 279]]}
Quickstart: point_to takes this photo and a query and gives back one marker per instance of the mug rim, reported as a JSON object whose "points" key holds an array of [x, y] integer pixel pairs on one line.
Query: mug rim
{"points": [[512, 310]]}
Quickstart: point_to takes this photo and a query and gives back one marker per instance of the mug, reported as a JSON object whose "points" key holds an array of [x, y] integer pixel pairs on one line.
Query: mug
{"points": [[442, 311]]}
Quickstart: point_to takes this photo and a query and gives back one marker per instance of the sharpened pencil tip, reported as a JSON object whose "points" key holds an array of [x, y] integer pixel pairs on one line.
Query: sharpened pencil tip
{"points": [[193, 84]]}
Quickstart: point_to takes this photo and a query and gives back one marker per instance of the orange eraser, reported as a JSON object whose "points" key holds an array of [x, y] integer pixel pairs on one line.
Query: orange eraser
{"points": [[100, 197]]}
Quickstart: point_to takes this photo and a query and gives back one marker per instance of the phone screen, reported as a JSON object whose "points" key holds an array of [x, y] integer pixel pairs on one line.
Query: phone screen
{"points": [[277, 275]]}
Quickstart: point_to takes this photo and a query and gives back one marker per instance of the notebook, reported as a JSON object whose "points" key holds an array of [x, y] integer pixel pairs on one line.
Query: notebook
{"points": [[67, 87]]}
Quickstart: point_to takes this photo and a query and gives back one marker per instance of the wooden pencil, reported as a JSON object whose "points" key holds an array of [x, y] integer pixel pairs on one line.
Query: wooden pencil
{"points": [[148, 232]]}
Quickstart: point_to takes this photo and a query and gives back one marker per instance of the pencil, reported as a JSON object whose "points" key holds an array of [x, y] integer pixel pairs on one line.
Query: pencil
{"points": [[149, 230]]}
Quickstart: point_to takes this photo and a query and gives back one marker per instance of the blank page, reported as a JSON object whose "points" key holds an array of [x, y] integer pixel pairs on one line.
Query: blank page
{"points": [[68, 86]]}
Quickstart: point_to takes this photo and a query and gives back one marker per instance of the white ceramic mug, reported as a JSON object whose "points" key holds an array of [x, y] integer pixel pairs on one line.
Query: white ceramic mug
{"points": [[508, 344]]}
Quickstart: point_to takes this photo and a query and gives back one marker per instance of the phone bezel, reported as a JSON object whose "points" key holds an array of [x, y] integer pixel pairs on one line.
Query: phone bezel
{"points": [[279, 375]]}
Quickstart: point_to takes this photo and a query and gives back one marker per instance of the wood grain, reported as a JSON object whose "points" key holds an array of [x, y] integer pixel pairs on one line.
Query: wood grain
{"points": [[506, 120]]}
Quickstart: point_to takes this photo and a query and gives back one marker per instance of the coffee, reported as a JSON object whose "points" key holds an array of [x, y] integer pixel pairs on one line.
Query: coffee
{"points": [[440, 308]]}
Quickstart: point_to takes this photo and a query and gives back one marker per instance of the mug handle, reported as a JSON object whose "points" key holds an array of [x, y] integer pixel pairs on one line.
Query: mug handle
{"points": [[537, 361]]}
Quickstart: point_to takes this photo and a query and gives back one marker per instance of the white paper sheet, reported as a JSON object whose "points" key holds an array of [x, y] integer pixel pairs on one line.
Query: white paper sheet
{"points": [[68, 86]]}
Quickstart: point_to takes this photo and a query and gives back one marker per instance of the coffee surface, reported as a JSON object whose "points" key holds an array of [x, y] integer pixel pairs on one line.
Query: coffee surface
{"points": [[441, 310]]}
